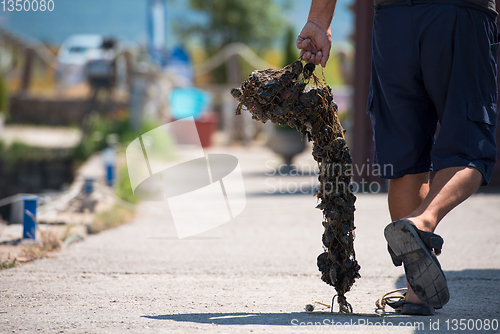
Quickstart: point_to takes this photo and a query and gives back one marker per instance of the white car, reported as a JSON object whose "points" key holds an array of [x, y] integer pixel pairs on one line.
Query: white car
{"points": [[74, 54]]}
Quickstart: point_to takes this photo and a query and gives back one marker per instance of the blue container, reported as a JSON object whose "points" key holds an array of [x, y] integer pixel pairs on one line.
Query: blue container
{"points": [[88, 186], [186, 102], [109, 161], [29, 216], [110, 175]]}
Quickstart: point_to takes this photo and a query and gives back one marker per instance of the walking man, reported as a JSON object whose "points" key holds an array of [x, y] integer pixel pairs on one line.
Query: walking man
{"points": [[432, 61]]}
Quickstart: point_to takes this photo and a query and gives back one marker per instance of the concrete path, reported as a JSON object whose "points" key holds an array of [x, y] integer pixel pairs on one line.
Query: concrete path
{"points": [[254, 274], [41, 136]]}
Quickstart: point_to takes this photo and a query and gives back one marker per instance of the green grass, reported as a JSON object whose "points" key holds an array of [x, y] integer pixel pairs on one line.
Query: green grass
{"points": [[114, 217], [49, 242], [7, 264], [123, 187]]}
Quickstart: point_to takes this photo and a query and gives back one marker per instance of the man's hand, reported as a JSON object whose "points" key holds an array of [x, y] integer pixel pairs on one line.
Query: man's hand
{"points": [[315, 43], [315, 39]]}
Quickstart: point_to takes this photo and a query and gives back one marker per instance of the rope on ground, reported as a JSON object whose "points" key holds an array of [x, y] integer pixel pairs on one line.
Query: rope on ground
{"points": [[381, 303], [310, 310], [344, 306]]}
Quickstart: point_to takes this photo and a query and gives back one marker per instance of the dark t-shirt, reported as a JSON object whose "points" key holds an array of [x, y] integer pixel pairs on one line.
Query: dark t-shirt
{"points": [[487, 4]]}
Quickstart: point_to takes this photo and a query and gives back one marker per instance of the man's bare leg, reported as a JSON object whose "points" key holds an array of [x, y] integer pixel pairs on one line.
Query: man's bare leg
{"points": [[406, 194], [450, 187]]}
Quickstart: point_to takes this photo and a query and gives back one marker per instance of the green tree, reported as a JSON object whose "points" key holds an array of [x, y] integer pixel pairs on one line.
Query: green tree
{"points": [[291, 53], [4, 97], [253, 22]]}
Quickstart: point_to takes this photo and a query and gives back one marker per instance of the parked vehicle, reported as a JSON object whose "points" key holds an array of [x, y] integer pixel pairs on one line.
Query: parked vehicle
{"points": [[74, 55]]}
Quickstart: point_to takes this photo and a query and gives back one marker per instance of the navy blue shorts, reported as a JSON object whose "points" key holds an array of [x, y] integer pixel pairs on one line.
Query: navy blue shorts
{"points": [[433, 62]]}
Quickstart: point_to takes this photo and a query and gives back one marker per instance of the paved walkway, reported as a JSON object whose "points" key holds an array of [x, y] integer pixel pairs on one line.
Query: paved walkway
{"points": [[254, 274], [41, 136]]}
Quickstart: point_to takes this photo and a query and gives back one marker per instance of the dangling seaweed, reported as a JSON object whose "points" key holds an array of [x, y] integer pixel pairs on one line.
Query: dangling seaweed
{"points": [[283, 96]]}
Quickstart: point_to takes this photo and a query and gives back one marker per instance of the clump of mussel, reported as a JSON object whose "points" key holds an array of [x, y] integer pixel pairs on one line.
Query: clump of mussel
{"points": [[286, 97]]}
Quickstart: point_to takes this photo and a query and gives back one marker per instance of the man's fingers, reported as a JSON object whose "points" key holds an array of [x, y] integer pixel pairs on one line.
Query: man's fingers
{"points": [[318, 57], [325, 58], [302, 43], [313, 57], [310, 53], [307, 56]]}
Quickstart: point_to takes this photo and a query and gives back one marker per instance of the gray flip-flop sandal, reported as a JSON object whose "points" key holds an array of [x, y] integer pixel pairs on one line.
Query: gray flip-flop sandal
{"points": [[415, 249]]}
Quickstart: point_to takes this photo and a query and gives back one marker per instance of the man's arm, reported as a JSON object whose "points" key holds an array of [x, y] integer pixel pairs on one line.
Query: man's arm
{"points": [[315, 39]]}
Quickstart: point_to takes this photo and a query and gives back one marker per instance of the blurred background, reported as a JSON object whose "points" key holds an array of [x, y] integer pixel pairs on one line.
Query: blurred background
{"points": [[86, 75], [81, 79]]}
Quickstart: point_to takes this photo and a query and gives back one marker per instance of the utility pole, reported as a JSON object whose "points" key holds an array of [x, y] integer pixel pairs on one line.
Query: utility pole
{"points": [[157, 31]]}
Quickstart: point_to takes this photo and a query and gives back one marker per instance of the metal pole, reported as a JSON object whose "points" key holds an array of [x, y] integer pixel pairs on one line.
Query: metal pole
{"points": [[29, 216], [88, 186], [28, 70], [156, 30], [109, 161]]}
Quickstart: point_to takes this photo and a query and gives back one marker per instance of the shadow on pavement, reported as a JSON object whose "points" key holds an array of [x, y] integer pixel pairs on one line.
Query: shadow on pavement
{"points": [[489, 190], [277, 319], [477, 289], [489, 278], [474, 295]]}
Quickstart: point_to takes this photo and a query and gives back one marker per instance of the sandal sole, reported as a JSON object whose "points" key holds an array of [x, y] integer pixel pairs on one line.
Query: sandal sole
{"points": [[417, 309], [423, 271]]}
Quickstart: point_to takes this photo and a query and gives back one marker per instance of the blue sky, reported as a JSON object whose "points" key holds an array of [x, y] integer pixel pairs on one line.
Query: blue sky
{"points": [[342, 24], [127, 19]]}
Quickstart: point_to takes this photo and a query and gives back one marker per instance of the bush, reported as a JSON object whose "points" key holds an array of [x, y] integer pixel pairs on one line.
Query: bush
{"points": [[18, 151], [100, 127]]}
